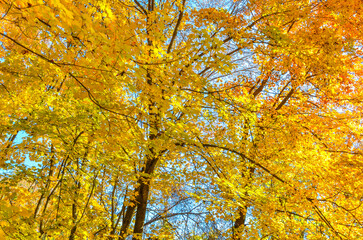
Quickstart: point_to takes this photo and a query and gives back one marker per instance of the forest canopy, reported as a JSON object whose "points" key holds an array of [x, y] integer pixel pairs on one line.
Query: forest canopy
{"points": [[183, 119]]}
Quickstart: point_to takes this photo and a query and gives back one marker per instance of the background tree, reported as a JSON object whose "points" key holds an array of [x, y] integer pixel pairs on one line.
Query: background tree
{"points": [[181, 119]]}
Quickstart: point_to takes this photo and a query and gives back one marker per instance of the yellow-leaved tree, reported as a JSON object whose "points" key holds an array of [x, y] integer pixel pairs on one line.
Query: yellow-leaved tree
{"points": [[184, 119]]}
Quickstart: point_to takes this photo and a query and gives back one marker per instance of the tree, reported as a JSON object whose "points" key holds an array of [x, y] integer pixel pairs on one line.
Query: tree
{"points": [[181, 119]]}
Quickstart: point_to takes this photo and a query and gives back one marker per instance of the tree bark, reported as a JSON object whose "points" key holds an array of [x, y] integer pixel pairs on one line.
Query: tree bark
{"points": [[142, 198], [240, 221]]}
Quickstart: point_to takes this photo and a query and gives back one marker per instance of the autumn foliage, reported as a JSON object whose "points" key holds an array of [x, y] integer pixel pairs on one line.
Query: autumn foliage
{"points": [[181, 119]]}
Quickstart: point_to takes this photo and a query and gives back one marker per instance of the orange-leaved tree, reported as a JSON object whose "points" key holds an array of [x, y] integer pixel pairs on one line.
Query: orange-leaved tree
{"points": [[181, 119]]}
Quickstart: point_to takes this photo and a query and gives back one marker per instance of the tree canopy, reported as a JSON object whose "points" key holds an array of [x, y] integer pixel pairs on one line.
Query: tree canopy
{"points": [[183, 119]]}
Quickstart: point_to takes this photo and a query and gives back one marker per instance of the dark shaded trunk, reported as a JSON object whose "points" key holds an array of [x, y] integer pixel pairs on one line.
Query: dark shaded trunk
{"points": [[142, 198], [240, 221], [141, 208], [73, 232], [126, 221]]}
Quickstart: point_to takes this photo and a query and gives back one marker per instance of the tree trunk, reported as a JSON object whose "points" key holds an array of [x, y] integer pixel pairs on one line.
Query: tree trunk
{"points": [[142, 198], [240, 221]]}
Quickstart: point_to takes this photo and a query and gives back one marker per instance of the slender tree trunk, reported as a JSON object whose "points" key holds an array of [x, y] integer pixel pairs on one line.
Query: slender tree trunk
{"points": [[74, 208], [242, 211], [152, 158], [126, 221], [141, 208], [142, 198], [240, 221]]}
